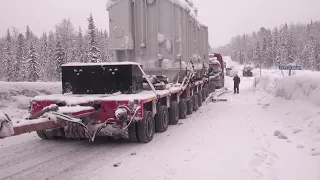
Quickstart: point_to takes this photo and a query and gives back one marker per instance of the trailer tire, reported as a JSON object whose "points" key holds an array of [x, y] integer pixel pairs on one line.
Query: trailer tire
{"points": [[76, 132], [41, 134], [146, 127], [162, 119], [183, 108], [213, 87], [47, 134], [189, 106], [206, 92], [195, 102], [199, 98], [132, 132], [204, 95], [174, 113]]}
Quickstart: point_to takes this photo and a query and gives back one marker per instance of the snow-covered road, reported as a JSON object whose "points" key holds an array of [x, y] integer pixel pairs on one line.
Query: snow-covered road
{"points": [[224, 140]]}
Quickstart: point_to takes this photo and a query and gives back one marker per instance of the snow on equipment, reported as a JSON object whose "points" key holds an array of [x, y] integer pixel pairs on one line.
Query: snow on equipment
{"points": [[247, 70], [216, 62], [214, 97], [159, 77]]}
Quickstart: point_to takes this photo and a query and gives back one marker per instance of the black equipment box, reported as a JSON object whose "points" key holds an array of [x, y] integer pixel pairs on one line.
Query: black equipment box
{"points": [[102, 78]]}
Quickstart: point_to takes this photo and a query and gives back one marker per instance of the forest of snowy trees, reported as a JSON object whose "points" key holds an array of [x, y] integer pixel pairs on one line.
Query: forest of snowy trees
{"points": [[26, 57], [298, 44]]}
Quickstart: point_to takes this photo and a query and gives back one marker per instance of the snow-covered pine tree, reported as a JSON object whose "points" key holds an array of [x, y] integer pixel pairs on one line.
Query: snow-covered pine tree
{"points": [[73, 55], [269, 58], [310, 49], [94, 52], [67, 36], [8, 56], [80, 47], [29, 36], [19, 58], [28, 33], [291, 48], [283, 40], [264, 54], [44, 56], [275, 46], [257, 54], [60, 57], [33, 65], [110, 53], [51, 64], [318, 56]]}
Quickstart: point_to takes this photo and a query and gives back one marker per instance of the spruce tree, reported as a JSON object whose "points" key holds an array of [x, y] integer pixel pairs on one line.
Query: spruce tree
{"points": [[79, 47], [8, 56], [33, 65], [60, 56], [94, 52], [18, 76]]}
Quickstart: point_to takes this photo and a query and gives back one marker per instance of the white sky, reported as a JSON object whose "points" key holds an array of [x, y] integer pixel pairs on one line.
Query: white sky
{"points": [[225, 18]]}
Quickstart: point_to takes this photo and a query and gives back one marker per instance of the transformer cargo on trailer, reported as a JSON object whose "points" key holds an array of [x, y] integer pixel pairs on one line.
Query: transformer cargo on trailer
{"points": [[159, 77]]}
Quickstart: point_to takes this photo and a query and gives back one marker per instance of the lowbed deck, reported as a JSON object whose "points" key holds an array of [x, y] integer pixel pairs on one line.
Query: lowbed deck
{"points": [[71, 99]]}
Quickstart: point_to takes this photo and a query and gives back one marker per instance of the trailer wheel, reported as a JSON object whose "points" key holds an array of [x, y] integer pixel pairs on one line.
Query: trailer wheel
{"points": [[132, 131], [206, 92], [162, 119], [189, 106], [204, 95], [210, 87], [146, 127], [41, 134], [199, 98], [48, 134], [183, 108], [213, 87], [174, 113], [76, 131], [195, 103]]}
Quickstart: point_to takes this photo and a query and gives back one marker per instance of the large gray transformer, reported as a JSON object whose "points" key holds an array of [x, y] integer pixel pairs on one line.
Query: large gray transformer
{"points": [[163, 35]]}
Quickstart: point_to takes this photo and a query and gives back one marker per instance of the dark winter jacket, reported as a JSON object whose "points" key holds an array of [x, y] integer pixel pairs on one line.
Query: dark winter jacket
{"points": [[236, 80]]}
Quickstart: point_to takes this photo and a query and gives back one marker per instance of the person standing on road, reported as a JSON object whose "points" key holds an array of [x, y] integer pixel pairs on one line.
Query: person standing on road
{"points": [[236, 82]]}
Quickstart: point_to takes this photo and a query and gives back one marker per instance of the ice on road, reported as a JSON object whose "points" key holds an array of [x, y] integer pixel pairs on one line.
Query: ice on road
{"points": [[237, 139]]}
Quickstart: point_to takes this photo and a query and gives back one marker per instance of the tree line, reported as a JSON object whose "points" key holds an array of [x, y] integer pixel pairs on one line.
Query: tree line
{"points": [[297, 44], [26, 57]]}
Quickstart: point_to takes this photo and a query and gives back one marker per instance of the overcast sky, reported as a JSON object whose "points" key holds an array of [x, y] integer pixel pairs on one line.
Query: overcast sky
{"points": [[225, 18]]}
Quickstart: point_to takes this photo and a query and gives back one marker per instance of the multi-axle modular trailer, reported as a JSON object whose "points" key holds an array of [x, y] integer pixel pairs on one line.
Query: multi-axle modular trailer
{"points": [[160, 77]]}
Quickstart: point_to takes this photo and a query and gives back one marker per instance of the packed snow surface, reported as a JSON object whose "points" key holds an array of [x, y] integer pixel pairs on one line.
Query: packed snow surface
{"points": [[253, 135]]}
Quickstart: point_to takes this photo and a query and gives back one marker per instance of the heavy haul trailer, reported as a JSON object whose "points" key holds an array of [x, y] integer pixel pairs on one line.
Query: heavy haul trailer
{"points": [[219, 81], [91, 104], [159, 78]]}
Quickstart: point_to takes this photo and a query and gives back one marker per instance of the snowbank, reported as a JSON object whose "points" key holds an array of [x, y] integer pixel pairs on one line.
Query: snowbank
{"points": [[18, 94], [303, 85]]}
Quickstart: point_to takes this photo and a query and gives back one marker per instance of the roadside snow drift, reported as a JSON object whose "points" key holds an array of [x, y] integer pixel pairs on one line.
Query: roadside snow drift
{"points": [[304, 85], [18, 94], [15, 96]]}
